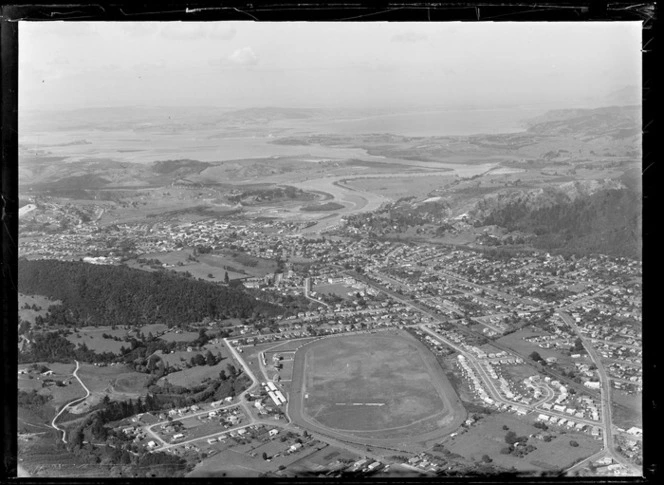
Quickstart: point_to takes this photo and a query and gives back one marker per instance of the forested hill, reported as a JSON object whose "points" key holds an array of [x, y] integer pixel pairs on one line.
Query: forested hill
{"points": [[107, 295], [607, 221]]}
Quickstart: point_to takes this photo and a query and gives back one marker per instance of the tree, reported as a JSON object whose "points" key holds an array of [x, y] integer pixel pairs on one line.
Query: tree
{"points": [[264, 456], [486, 459], [226, 278], [511, 438], [209, 358], [535, 356], [573, 443], [76, 438]]}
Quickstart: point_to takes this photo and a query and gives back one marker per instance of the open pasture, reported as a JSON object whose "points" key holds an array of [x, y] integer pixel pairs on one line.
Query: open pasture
{"points": [[177, 358], [153, 328], [93, 339], [321, 459], [488, 438], [205, 265], [230, 463], [251, 265], [30, 314], [112, 380], [194, 375], [179, 336]]}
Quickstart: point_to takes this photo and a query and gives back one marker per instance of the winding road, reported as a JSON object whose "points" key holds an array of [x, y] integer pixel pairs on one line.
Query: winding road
{"points": [[70, 403]]}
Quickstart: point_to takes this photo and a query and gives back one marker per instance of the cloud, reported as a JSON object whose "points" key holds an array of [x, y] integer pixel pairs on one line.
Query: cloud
{"points": [[410, 37], [197, 30], [244, 57]]}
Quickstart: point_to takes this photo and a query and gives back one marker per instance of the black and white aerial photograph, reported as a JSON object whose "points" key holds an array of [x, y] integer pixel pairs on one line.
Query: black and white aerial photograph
{"points": [[329, 249]]}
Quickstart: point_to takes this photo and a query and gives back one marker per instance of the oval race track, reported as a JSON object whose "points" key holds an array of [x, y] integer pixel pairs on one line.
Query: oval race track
{"points": [[408, 432]]}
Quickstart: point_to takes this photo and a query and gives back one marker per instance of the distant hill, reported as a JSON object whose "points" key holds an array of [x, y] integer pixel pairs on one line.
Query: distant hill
{"points": [[181, 167], [273, 114], [108, 295], [589, 217], [616, 122], [628, 95]]}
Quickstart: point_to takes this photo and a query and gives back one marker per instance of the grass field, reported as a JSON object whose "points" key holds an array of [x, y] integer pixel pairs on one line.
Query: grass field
{"points": [[154, 328], [344, 374], [488, 438], [334, 289], [630, 413], [194, 428], [230, 463], [35, 420], [116, 381], [92, 337], [517, 373], [321, 459], [206, 265], [41, 458], [131, 383], [29, 314], [179, 337], [237, 265], [515, 341], [194, 375], [60, 394], [292, 344]]}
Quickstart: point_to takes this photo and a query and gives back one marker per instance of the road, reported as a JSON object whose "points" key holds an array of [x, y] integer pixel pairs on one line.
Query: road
{"points": [[466, 331], [70, 403], [584, 463], [491, 386], [306, 295], [605, 392], [241, 403], [585, 299]]}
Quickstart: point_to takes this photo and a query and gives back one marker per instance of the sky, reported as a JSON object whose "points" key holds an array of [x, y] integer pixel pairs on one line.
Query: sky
{"points": [[71, 65]]}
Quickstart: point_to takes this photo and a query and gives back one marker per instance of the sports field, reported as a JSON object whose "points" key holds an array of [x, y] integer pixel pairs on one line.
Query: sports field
{"points": [[383, 386]]}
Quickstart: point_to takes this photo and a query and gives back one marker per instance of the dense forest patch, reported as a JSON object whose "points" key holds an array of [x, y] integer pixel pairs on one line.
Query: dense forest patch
{"points": [[117, 295]]}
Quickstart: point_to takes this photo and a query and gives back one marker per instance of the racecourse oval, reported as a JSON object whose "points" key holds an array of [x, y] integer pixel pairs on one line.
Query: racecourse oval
{"points": [[377, 386]]}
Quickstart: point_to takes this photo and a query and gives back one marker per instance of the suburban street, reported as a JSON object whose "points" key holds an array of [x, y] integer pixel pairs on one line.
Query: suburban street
{"points": [[605, 387]]}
